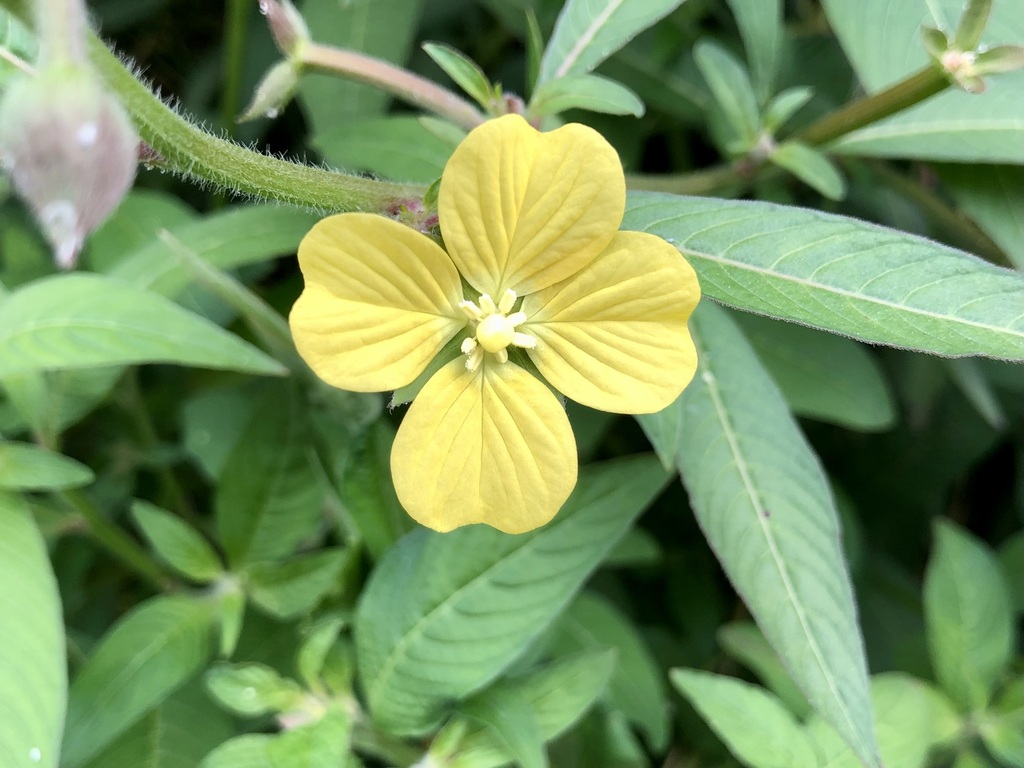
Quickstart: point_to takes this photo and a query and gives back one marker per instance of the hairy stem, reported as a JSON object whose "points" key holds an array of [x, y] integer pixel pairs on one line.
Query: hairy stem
{"points": [[192, 152], [411, 88]]}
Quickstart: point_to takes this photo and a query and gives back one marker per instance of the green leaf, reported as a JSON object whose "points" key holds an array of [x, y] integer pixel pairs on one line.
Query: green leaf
{"points": [[230, 615], [315, 647], [968, 616], [811, 167], [33, 677], [637, 548], [134, 225], [752, 723], [252, 689], [911, 719], [323, 744], [213, 422], [24, 466], [591, 92], [1002, 727], [971, 24], [744, 642], [368, 492], [294, 587], [268, 498], [51, 401], [822, 376], [176, 734], [954, 125], [444, 614], [397, 147], [763, 503], [464, 71], [786, 104], [991, 196], [636, 688], [233, 237], [841, 275], [730, 85], [760, 24], [19, 40], [148, 654], [82, 320], [381, 28], [176, 542], [558, 693], [1011, 559], [507, 717], [589, 31], [969, 377]]}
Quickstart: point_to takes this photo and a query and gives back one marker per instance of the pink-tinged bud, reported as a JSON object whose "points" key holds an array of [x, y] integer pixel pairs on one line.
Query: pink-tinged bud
{"points": [[70, 151], [286, 25]]}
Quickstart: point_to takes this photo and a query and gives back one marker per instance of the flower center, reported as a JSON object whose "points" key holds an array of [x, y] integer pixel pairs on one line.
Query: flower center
{"points": [[494, 329], [495, 333]]}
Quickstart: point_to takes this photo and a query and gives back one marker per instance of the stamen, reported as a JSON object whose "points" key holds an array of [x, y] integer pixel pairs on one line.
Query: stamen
{"points": [[487, 305], [524, 340], [508, 301], [516, 318], [502, 355], [471, 310], [475, 358], [468, 345]]}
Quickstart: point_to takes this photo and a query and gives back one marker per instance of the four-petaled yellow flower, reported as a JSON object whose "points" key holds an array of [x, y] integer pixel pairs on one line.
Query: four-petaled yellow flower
{"points": [[530, 223]]}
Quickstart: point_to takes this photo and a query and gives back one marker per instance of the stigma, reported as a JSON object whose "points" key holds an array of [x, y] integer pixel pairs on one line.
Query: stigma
{"points": [[494, 329]]}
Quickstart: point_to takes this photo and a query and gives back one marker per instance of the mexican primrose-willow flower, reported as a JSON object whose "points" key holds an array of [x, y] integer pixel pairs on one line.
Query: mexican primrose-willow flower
{"points": [[535, 265]]}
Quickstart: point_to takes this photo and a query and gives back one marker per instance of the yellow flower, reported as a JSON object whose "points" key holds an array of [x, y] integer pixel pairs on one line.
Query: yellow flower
{"points": [[530, 222]]}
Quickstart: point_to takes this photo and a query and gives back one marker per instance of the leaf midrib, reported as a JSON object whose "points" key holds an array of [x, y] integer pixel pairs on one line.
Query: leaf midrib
{"points": [[759, 513]]}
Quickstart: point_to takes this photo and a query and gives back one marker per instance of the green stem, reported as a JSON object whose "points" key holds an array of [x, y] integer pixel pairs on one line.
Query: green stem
{"points": [[411, 88], [236, 17], [856, 114], [149, 440], [192, 152], [870, 109], [116, 541]]}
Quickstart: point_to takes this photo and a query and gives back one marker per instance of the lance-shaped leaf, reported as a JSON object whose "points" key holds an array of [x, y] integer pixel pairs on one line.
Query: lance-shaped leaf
{"points": [[33, 680], [841, 275], [762, 501], [149, 653], [968, 615], [24, 466], [589, 31], [84, 320], [444, 614]]}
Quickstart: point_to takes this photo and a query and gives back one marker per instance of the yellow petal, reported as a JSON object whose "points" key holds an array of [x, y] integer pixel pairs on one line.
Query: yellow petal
{"points": [[614, 337], [379, 303], [523, 210], [492, 446]]}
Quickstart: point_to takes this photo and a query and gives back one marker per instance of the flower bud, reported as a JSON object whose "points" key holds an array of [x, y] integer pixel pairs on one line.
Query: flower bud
{"points": [[274, 91], [71, 152], [286, 25]]}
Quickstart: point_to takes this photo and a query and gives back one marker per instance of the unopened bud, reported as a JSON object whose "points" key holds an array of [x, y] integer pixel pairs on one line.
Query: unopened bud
{"points": [[70, 151], [286, 25], [274, 91]]}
